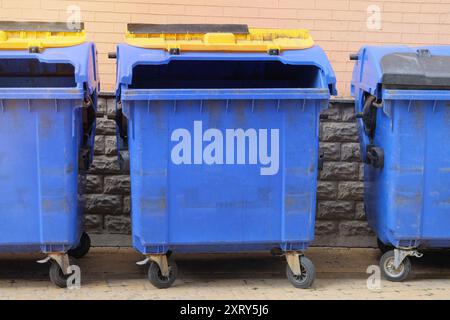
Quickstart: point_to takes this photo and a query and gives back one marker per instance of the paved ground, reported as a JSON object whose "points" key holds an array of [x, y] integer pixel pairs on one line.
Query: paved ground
{"points": [[112, 274]]}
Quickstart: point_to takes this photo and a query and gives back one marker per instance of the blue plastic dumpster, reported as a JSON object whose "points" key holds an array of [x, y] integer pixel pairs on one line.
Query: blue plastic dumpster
{"points": [[223, 141], [48, 96], [402, 98]]}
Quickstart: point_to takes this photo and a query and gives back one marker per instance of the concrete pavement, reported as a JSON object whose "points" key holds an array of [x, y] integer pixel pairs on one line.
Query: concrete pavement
{"points": [[111, 273]]}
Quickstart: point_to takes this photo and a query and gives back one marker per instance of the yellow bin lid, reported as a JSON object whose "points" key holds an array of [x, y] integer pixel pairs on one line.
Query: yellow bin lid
{"points": [[213, 37], [36, 36]]}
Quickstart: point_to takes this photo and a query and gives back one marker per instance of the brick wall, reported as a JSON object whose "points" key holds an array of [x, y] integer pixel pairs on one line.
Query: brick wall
{"points": [[340, 211], [339, 26]]}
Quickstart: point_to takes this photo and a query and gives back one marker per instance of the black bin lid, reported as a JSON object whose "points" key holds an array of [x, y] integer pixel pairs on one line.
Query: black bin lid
{"points": [[419, 70]]}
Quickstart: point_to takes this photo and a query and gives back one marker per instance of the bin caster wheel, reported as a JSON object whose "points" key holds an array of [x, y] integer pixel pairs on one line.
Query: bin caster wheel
{"points": [[384, 247], [306, 279], [83, 247], [160, 281], [57, 277], [389, 271]]}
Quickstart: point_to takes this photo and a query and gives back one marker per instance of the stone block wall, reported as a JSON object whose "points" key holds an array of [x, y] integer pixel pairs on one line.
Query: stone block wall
{"points": [[340, 213], [340, 210], [108, 188]]}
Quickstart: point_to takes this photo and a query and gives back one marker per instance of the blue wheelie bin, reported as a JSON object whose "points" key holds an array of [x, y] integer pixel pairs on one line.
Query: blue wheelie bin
{"points": [[219, 125], [402, 100], [48, 96]]}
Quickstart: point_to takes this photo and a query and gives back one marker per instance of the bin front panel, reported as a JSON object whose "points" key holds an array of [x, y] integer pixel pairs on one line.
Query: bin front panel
{"points": [[408, 200], [188, 189], [39, 174]]}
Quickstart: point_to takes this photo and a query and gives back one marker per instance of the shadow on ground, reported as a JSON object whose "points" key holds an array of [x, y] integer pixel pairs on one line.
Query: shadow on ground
{"points": [[106, 263]]}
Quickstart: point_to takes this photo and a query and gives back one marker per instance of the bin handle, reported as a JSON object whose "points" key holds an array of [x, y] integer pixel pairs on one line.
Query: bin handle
{"points": [[120, 125], [321, 159], [89, 104], [375, 156], [84, 157], [368, 116], [354, 57], [122, 140]]}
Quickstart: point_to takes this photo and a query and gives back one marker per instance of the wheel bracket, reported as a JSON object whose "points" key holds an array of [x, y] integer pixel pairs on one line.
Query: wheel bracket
{"points": [[401, 254], [160, 259], [62, 259], [293, 261], [143, 262]]}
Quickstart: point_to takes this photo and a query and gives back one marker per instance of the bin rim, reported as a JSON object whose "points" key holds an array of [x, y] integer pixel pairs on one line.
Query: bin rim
{"points": [[38, 36], [41, 93], [422, 95], [226, 94]]}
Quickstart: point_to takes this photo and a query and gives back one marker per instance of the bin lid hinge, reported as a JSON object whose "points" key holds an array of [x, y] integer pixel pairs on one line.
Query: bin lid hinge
{"points": [[274, 51], [34, 49], [174, 51]]}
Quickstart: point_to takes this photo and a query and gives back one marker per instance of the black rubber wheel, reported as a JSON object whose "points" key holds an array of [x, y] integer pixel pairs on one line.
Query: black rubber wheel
{"points": [[83, 247], [306, 279], [390, 272], [158, 280], [57, 277], [384, 247]]}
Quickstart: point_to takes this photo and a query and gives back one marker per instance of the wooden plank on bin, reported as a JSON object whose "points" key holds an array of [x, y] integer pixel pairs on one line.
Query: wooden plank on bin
{"points": [[187, 28], [40, 26]]}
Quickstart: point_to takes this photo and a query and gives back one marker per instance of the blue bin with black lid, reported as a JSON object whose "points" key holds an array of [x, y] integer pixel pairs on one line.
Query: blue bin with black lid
{"points": [[402, 98]]}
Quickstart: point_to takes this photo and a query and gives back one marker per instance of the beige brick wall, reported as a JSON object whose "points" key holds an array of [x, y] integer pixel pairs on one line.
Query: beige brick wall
{"points": [[339, 26]]}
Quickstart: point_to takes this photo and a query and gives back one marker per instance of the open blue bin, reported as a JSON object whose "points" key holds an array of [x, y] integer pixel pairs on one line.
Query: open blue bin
{"points": [[402, 96], [47, 122], [223, 150]]}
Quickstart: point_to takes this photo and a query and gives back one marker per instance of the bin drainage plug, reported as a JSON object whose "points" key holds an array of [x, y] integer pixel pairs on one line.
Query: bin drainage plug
{"points": [[401, 254]]}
